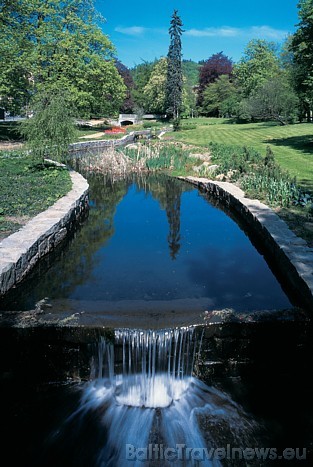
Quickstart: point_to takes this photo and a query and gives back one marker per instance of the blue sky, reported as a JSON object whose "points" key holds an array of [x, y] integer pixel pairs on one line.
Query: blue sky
{"points": [[139, 28]]}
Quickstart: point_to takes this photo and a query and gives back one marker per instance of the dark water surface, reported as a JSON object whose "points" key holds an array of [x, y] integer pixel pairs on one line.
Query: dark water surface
{"points": [[153, 245]]}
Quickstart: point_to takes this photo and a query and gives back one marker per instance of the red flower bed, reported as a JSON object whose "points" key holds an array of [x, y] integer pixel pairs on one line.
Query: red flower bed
{"points": [[115, 130]]}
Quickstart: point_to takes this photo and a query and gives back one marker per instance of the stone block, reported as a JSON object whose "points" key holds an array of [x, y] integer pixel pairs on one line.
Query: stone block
{"points": [[7, 276], [59, 236], [44, 247]]}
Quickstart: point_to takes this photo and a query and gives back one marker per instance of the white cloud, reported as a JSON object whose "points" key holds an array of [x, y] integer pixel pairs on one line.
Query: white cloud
{"points": [[213, 32], [132, 30], [139, 30], [268, 32], [263, 32]]}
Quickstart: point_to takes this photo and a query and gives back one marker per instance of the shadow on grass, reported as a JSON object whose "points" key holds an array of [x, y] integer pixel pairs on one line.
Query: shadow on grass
{"points": [[43, 165], [256, 125], [300, 143], [9, 131]]}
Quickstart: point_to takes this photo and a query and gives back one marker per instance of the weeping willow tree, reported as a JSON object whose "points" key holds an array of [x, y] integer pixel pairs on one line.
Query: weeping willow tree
{"points": [[51, 129]]}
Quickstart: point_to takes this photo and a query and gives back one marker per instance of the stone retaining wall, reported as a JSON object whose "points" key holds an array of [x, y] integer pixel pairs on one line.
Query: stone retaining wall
{"points": [[22, 250], [108, 143], [62, 353], [291, 255]]}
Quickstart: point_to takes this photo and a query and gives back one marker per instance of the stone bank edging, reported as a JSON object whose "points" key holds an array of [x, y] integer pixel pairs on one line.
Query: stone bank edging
{"points": [[107, 143], [23, 249], [102, 143], [293, 257]]}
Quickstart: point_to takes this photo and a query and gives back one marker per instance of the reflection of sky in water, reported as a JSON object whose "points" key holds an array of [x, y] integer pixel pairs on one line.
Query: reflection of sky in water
{"points": [[215, 260]]}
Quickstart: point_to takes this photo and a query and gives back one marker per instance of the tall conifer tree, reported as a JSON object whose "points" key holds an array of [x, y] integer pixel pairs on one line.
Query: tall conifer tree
{"points": [[174, 85]]}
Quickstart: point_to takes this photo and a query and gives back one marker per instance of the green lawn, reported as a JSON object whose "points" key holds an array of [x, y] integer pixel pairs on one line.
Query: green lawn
{"points": [[292, 145], [26, 189]]}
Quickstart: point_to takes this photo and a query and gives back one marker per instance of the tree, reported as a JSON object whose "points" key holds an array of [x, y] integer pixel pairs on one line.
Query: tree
{"points": [[141, 74], [51, 129], [220, 98], [210, 70], [59, 41], [302, 49], [174, 81], [191, 72], [190, 81], [14, 72], [275, 100], [155, 90], [101, 91], [128, 105], [258, 65]]}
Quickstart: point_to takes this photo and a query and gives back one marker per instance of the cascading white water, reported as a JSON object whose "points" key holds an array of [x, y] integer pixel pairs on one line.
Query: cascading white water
{"points": [[156, 366], [144, 395]]}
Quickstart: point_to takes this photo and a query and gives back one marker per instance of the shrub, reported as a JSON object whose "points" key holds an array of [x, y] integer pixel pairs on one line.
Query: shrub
{"points": [[188, 126]]}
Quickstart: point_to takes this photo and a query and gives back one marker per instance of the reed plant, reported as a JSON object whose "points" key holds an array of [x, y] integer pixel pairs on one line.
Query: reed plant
{"points": [[260, 177], [232, 159]]}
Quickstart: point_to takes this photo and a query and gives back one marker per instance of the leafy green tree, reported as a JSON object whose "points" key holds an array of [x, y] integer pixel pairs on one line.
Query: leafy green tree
{"points": [[302, 48], [189, 100], [50, 130], [14, 70], [142, 98], [275, 100], [220, 98], [141, 74], [210, 70], [257, 66], [174, 81], [155, 90], [243, 111], [191, 72], [59, 42], [102, 90], [190, 81]]}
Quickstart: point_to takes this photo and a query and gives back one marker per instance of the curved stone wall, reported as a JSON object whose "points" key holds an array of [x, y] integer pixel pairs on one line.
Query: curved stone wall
{"points": [[22, 250], [292, 257]]}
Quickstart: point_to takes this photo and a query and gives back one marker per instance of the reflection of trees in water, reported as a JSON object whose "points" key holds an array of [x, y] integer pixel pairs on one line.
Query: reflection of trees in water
{"points": [[167, 191], [173, 196], [99, 228], [59, 274]]}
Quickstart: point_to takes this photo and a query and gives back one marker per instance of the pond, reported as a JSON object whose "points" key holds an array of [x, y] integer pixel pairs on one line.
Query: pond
{"points": [[108, 360], [154, 250]]}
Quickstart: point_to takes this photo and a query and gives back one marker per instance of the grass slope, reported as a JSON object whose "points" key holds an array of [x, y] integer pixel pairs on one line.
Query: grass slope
{"points": [[27, 189], [292, 145]]}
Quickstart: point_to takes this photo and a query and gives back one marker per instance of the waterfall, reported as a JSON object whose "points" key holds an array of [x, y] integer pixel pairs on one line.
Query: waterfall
{"points": [[156, 365], [147, 408]]}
